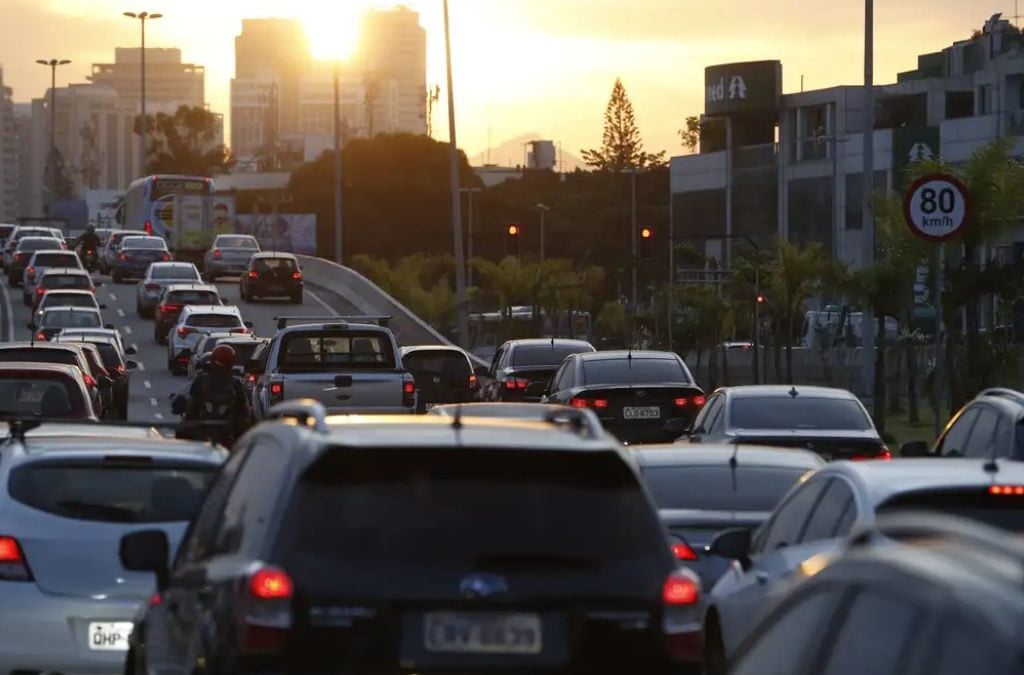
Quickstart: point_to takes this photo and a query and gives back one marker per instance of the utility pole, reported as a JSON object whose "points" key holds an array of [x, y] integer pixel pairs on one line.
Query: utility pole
{"points": [[460, 254], [543, 212], [634, 293], [868, 226], [338, 222], [53, 64], [142, 16], [469, 233]]}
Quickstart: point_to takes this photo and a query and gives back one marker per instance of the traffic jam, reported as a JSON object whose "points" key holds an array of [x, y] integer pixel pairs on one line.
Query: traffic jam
{"points": [[209, 468]]}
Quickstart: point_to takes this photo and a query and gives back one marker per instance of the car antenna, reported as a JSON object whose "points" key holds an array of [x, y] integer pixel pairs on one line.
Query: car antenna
{"points": [[793, 392], [991, 466], [733, 464]]}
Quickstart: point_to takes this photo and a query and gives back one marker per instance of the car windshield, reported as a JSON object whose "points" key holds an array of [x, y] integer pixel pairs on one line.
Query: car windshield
{"points": [[243, 350], [272, 264], [174, 272], [71, 320], [65, 281], [543, 354], [112, 491], [67, 300], [56, 260], [38, 355], [718, 488], [38, 244], [237, 242], [153, 243], [633, 371], [214, 321], [333, 351], [193, 298], [40, 394], [798, 412]]}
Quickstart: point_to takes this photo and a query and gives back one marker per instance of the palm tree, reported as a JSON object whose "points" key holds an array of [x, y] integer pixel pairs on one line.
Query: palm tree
{"points": [[797, 275]]}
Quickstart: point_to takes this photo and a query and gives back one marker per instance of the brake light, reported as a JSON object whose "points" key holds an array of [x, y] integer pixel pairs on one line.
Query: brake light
{"points": [[599, 403], [408, 391], [474, 382], [19, 257], [271, 584], [679, 590], [167, 309], [885, 455], [217, 255], [41, 336], [578, 403], [13, 566], [1007, 490], [596, 403], [184, 331], [681, 402], [40, 291], [119, 369], [30, 272], [124, 256], [165, 257], [699, 400], [252, 378], [254, 275], [277, 389], [148, 227], [513, 383], [89, 382], [296, 275], [682, 551], [409, 388]]}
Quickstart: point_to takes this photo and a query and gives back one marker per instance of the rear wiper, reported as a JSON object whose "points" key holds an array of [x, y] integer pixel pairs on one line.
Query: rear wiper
{"points": [[104, 510], [527, 560]]}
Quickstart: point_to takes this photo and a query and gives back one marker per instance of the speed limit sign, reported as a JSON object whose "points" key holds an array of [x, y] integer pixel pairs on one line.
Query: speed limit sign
{"points": [[936, 207]]}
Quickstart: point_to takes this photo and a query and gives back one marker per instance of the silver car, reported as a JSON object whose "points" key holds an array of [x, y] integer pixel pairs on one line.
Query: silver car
{"points": [[229, 255], [39, 263], [196, 321], [66, 501], [158, 277]]}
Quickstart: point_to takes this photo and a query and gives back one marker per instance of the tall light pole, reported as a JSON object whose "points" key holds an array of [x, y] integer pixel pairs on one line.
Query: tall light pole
{"points": [[53, 64], [338, 222], [469, 233], [634, 300], [142, 16], [868, 182], [460, 254], [543, 208]]}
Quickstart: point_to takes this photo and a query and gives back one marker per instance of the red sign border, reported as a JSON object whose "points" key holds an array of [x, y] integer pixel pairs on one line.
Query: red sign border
{"points": [[956, 183]]}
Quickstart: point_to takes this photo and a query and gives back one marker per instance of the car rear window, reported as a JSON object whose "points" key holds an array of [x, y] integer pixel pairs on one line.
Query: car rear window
{"points": [[797, 412], [544, 355], [268, 264], [326, 351], [1004, 511], [396, 511], [193, 298], [40, 394], [144, 242], [110, 355], [634, 371], [112, 491], [39, 355], [65, 281], [56, 260], [449, 365], [717, 488], [67, 300], [236, 242], [71, 320], [214, 321], [243, 351], [174, 272], [38, 244]]}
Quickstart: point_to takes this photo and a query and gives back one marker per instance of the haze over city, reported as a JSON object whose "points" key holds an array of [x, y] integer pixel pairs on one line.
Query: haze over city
{"points": [[521, 66]]}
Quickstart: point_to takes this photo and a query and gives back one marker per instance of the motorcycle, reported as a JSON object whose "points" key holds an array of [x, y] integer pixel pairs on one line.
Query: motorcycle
{"points": [[90, 260]]}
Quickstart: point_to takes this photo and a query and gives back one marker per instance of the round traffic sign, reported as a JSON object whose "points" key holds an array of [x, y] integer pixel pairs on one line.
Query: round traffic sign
{"points": [[936, 207]]}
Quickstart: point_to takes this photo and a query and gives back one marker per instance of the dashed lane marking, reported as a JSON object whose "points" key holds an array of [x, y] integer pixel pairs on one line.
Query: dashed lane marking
{"points": [[153, 402], [120, 312], [127, 330], [159, 416], [147, 384], [113, 297]]}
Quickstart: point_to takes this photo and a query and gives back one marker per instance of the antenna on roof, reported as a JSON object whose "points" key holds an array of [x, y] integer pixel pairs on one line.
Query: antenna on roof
{"points": [[457, 419], [992, 466], [793, 392]]}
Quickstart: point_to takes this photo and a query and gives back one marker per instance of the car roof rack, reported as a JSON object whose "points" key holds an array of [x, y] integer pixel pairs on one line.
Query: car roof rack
{"points": [[1004, 392], [305, 411], [382, 321]]}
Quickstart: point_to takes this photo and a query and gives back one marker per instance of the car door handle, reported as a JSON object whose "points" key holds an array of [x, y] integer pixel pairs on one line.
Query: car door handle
{"points": [[761, 576]]}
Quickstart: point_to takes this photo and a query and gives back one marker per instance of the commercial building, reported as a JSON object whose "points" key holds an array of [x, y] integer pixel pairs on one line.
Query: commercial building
{"points": [[393, 45], [168, 80], [791, 165], [9, 155]]}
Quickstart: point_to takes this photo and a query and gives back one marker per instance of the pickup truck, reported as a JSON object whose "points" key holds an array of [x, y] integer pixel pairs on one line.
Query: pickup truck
{"points": [[351, 365]]}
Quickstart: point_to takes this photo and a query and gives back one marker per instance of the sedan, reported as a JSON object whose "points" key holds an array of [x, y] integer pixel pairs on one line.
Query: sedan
{"points": [[136, 255], [443, 375], [63, 279], [39, 263], [23, 251], [229, 255], [158, 277], [111, 245], [48, 390], [54, 319], [68, 299], [118, 367], [272, 275], [65, 503], [640, 396]]}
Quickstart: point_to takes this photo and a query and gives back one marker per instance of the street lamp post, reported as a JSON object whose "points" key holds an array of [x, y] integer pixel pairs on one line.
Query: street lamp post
{"points": [[338, 218], [543, 208], [53, 64], [633, 243], [868, 182], [453, 168], [142, 16], [469, 233]]}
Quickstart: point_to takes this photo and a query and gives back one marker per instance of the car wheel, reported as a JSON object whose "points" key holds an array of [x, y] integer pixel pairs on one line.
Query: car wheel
{"points": [[715, 662]]}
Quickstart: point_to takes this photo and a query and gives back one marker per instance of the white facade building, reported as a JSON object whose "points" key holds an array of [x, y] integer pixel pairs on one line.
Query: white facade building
{"points": [[168, 80], [9, 155]]}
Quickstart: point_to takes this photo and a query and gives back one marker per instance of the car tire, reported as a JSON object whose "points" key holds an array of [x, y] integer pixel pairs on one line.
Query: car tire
{"points": [[714, 660], [296, 298]]}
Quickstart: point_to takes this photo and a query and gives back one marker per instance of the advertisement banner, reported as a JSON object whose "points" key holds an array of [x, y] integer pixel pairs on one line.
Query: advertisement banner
{"points": [[291, 233], [909, 145], [743, 88]]}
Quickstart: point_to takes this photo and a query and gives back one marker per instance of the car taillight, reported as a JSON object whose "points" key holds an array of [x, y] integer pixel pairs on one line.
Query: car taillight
{"points": [[120, 369], [30, 272], [679, 589], [165, 257], [89, 382], [40, 291], [19, 257], [252, 378], [266, 611], [296, 275], [217, 255], [148, 227], [597, 403], [152, 287], [680, 402], [13, 566], [271, 584], [699, 400], [123, 256], [1007, 490], [513, 383], [408, 391], [884, 455], [41, 336], [682, 551], [184, 331], [167, 309], [254, 275], [474, 382], [276, 391]]}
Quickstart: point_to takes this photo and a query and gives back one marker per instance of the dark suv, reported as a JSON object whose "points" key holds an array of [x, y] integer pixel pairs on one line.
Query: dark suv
{"points": [[992, 425], [443, 375], [272, 275], [429, 544]]}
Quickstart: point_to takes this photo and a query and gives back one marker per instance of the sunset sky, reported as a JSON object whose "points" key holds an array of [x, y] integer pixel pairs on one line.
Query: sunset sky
{"points": [[521, 66]]}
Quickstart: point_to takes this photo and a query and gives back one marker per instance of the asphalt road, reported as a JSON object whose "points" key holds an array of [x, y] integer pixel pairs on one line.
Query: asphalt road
{"points": [[151, 383]]}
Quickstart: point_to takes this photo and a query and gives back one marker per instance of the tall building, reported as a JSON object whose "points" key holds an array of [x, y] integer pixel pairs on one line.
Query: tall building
{"points": [[393, 45], [9, 153], [23, 130], [168, 80]]}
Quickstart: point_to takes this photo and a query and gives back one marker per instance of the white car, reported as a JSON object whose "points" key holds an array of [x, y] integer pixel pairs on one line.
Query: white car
{"points": [[69, 299], [196, 321], [71, 333], [39, 263], [53, 320], [158, 277]]}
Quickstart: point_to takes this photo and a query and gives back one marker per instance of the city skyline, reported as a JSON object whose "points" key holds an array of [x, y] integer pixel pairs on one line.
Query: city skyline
{"points": [[522, 65]]}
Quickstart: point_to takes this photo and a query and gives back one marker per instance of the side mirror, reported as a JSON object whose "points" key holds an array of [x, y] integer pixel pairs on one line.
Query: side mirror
{"points": [[131, 365], [249, 324], [131, 351], [109, 326], [732, 544], [914, 449], [147, 551], [536, 389]]}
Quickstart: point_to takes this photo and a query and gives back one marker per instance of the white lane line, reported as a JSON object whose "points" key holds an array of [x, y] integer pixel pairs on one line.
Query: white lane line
{"points": [[147, 384], [322, 303], [8, 313], [142, 366], [153, 402], [113, 297], [120, 312], [127, 330], [159, 416]]}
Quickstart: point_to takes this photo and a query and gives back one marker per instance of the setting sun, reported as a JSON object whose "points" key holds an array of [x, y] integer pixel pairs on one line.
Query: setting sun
{"points": [[333, 31]]}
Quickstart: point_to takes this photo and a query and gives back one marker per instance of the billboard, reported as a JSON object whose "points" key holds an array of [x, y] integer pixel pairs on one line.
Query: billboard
{"points": [[742, 88], [292, 233]]}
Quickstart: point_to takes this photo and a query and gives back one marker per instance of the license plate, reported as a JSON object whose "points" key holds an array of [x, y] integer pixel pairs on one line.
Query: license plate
{"points": [[274, 289], [110, 636], [651, 412], [462, 633]]}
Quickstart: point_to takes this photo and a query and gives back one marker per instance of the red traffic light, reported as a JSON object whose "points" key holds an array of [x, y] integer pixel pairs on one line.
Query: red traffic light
{"points": [[513, 230], [646, 233], [760, 298]]}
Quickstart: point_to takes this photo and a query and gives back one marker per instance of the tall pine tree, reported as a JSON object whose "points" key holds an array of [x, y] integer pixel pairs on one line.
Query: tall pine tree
{"points": [[621, 148]]}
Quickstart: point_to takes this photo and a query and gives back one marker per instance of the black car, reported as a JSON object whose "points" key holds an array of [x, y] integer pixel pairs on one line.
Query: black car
{"points": [[417, 544], [518, 364], [117, 366], [831, 422], [988, 426], [135, 255], [701, 491], [918, 594], [272, 275], [443, 375], [640, 396]]}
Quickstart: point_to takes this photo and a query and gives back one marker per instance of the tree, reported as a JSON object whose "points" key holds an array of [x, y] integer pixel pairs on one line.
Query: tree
{"points": [[690, 134], [621, 147], [185, 143], [797, 275]]}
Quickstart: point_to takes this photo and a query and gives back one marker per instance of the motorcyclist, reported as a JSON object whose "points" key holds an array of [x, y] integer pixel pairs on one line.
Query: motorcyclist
{"points": [[216, 395], [89, 242]]}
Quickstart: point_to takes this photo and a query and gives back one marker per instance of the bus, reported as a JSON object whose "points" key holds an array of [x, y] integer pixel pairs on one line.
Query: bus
{"points": [[488, 330], [177, 208]]}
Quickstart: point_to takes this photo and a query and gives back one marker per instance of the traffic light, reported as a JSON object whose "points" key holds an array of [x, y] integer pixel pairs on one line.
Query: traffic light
{"points": [[760, 298], [645, 243], [513, 235]]}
